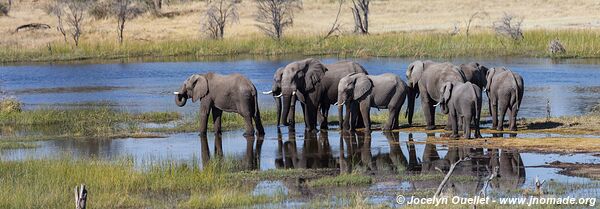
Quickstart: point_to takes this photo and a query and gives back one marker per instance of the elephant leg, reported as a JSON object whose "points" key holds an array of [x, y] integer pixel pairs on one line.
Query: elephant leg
{"points": [[216, 114], [454, 123], [325, 114], [513, 117], [392, 116], [477, 131], [204, 111], [494, 111], [347, 117], [311, 117], [249, 126], [292, 113], [258, 122], [428, 112], [365, 113], [466, 119], [448, 124], [502, 108]]}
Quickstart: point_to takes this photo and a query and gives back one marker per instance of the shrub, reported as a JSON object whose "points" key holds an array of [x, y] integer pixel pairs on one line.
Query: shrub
{"points": [[10, 105], [4, 9]]}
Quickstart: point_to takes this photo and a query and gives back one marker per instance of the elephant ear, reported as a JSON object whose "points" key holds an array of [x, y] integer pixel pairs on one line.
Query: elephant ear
{"points": [[200, 88], [488, 77], [314, 71], [414, 72], [362, 85], [446, 92]]}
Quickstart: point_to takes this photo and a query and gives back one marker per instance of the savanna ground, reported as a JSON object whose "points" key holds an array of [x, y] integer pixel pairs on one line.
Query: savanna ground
{"points": [[398, 28]]}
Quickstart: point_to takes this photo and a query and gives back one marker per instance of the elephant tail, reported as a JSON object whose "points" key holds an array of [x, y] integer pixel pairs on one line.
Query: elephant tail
{"points": [[516, 88]]}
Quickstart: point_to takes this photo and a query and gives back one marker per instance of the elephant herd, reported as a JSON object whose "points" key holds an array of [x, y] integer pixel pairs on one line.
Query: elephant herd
{"points": [[457, 90]]}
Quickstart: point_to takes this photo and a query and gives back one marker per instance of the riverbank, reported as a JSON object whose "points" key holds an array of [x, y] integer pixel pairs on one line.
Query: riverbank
{"points": [[579, 43]]}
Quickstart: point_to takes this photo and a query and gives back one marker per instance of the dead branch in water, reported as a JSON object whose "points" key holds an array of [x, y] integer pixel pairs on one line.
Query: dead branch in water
{"points": [[443, 183]]}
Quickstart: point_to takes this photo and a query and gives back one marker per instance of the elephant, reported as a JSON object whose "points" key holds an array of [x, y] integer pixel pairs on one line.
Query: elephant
{"points": [[315, 85], [425, 78], [385, 91], [218, 93], [505, 92], [462, 102], [475, 73], [276, 92]]}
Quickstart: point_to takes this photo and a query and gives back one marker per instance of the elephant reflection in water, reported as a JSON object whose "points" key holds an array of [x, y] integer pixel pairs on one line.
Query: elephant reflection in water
{"points": [[357, 154], [315, 151], [250, 160], [481, 164]]}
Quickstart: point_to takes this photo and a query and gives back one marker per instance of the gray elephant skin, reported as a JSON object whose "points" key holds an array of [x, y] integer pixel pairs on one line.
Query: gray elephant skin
{"points": [[276, 92], [425, 79], [474, 73], [505, 91], [218, 93], [315, 85], [462, 103], [385, 91]]}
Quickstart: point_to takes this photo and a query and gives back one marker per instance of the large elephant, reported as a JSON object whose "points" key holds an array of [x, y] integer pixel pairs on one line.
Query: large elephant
{"points": [[425, 78], [276, 92], [505, 91], [218, 93], [462, 103], [385, 91], [315, 85]]}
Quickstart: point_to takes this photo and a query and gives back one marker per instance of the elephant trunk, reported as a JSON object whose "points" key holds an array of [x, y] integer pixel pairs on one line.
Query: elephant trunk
{"points": [[341, 116], [410, 110], [287, 100], [278, 106], [181, 97]]}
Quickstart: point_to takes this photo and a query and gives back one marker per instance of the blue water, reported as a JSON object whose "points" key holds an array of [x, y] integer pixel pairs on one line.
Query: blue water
{"points": [[149, 84]]}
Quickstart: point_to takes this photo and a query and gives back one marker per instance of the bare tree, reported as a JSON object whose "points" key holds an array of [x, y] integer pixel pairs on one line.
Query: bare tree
{"points": [[509, 26], [474, 16], [76, 10], [56, 8], [360, 10], [276, 15], [125, 10], [335, 27], [218, 14]]}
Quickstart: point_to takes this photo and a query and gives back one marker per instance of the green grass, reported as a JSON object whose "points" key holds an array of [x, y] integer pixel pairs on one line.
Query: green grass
{"points": [[578, 42], [342, 180], [50, 184], [100, 122], [435, 177], [16, 145]]}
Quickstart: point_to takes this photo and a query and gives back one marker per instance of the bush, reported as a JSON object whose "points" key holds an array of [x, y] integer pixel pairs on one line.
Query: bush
{"points": [[100, 10], [10, 105], [4, 9]]}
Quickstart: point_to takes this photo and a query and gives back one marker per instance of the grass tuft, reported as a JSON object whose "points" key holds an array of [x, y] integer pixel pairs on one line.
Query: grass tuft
{"points": [[342, 180]]}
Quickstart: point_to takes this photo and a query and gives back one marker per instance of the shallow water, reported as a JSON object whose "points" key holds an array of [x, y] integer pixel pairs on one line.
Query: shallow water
{"points": [[571, 86]]}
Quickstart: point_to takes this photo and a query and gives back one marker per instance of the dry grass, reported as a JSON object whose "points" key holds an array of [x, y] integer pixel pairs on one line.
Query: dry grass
{"points": [[315, 19], [550, 144]]}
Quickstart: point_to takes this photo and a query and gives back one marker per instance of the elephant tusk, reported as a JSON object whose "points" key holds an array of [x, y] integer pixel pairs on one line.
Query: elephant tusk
{"points": [[437, 104], [267, 92], [484, 89], [294, 93], [176, 93], [335, 103], [279, 95], [342, 103]]}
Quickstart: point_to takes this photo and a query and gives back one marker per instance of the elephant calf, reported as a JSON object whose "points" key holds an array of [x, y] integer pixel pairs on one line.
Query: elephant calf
{"points": [[218, 93], [462, 101], [385, 91], [505, 91]]}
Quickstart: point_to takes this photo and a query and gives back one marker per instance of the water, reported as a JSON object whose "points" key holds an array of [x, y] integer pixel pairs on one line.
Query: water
{"points": [[571, 86]]}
